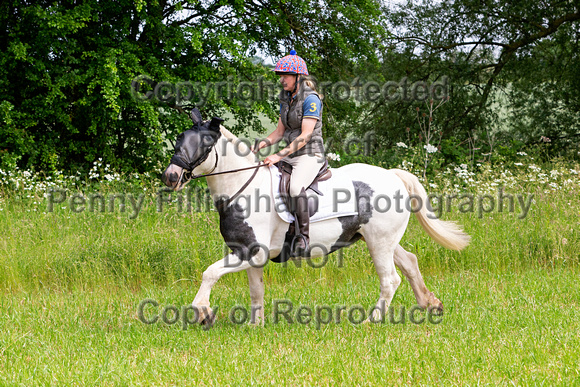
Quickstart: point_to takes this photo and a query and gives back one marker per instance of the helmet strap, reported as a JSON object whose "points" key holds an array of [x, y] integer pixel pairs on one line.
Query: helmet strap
{"points": [[295, 85]]}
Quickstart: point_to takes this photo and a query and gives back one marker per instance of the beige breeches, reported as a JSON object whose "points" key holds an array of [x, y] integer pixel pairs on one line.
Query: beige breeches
{"points": [[304, 170]]}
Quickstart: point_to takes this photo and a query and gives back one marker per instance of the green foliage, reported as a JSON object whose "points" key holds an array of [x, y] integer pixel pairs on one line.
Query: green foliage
{"points": [[67, 70], [511, 69], [545, 93], [68, 73]]}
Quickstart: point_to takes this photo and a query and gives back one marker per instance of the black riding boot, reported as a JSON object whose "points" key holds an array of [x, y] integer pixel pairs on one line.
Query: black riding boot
{"points": [[301, 242]]}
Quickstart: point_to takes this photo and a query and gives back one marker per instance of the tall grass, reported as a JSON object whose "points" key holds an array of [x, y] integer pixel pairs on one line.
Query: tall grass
{"points": [[71, 283], [67, 249]]}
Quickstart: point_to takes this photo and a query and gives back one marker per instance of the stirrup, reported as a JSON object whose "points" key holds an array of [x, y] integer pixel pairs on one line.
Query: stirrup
{"points": [[304, 253]]}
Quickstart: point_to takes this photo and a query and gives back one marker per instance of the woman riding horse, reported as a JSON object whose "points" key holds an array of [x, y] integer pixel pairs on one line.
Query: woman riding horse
{"points": [[300, 125]]}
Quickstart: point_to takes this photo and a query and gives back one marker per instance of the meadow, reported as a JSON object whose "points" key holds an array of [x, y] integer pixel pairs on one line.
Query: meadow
{"points": [[73, 275]]}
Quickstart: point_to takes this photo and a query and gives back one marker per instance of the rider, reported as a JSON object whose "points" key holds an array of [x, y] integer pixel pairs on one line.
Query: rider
{"points": [[300, 124]]}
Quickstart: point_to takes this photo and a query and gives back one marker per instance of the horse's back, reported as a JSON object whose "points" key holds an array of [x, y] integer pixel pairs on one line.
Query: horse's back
{"points": [[381, 180]]}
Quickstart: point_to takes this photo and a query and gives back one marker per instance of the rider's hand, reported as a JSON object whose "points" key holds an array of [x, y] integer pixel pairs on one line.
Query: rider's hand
{"points": [[272, 159], [256, 147]]}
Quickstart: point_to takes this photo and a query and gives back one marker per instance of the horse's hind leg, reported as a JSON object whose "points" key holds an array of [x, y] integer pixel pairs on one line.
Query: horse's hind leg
{"points": [[256, 282], [408, 264], [382, 254]]}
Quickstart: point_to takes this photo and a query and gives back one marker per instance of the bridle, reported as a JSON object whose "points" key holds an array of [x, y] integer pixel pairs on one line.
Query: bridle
{"points": [[187, 173]]}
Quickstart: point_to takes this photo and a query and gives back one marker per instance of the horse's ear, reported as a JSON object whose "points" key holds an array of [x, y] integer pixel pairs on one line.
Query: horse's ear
{"points": [[215, 124], [195, 116]]}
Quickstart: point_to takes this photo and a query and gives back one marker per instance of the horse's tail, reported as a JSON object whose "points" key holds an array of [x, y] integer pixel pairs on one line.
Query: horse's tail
{"points": [[447, 234]]}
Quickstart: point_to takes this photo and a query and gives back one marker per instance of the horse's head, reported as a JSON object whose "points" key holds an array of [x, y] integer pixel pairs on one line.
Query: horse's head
{"points": [[192, 148]]}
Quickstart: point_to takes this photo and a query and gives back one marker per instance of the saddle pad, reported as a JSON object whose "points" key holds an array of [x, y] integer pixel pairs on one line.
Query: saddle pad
{"points": [[334, 190]]}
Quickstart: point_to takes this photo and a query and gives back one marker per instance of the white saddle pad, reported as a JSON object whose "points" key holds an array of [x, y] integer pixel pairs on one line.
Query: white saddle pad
{"points": [[338, 197]]}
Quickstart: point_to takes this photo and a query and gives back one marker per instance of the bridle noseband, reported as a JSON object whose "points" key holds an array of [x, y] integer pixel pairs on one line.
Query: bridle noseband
{"points": [[187, 172]]}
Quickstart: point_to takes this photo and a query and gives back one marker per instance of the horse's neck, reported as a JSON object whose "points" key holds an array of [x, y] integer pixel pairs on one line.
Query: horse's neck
{"points": [[229, 159]]}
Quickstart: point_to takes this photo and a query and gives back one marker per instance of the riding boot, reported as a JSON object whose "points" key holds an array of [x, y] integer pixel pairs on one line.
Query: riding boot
{"points": [[301, 242]]}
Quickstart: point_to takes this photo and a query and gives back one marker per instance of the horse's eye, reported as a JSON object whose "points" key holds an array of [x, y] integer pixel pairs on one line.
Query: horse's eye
{"points": [[178, 142]]}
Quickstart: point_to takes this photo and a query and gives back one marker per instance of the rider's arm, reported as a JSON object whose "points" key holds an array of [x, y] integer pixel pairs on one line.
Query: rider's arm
{"points": [[307, 129], [300, 141], [273, 138]]}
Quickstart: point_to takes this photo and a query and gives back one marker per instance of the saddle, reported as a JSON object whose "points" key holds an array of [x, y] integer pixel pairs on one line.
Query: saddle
{"points": [[284, 189]]}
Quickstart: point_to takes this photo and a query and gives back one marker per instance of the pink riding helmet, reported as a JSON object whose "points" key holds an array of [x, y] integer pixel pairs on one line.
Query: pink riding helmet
{"points": [[291, 64]]}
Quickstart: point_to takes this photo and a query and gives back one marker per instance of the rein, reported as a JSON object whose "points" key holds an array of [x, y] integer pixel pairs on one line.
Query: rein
{"points": [[224, 172], [189, 176]]}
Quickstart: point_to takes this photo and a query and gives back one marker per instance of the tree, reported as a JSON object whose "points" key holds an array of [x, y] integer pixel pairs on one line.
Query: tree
{"points": [[489, 50], [75, 75]]}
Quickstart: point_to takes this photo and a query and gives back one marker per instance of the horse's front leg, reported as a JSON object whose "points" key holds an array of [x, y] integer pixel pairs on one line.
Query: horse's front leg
{"points": [[230, 264]]}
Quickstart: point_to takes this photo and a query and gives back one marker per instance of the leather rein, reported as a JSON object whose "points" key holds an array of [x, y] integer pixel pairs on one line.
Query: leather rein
{"points": [[188, 175]]}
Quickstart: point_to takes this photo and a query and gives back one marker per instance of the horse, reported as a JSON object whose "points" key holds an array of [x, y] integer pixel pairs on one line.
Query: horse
{"points": [[209, 150]]}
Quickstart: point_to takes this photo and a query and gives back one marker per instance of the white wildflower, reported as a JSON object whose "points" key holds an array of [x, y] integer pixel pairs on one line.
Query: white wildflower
{"points": [[402, 145], [522, 154], [518, 164], [333, 156], [430, 148], [406, 165]]}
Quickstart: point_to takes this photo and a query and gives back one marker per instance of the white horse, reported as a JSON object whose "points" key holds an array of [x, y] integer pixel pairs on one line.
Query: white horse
{"points": [[254, 238]]}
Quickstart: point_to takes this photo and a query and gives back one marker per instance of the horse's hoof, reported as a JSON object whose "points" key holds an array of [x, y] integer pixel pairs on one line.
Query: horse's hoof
{"points": [[206, 316], [259, 323], [434, 305], [436, 309], [209, 320]]}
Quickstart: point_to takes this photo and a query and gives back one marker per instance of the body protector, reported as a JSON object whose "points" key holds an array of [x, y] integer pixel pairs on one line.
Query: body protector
{"points": [[291, 116]]}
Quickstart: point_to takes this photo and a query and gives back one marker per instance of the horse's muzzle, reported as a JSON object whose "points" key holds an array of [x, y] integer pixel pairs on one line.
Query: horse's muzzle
{"points": [[172, 177]]}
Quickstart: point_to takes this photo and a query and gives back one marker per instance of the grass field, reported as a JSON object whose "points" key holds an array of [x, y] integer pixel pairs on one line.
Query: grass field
{"points": [[520, 328], [71, 283]]}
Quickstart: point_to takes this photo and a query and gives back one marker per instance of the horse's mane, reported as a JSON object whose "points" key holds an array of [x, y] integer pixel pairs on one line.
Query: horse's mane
{"points": [[243, 148]]}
